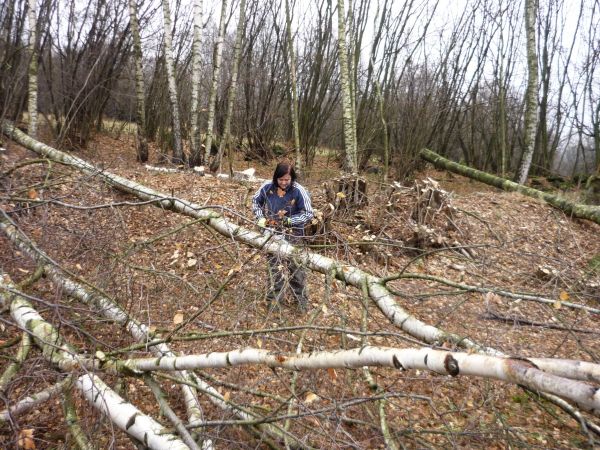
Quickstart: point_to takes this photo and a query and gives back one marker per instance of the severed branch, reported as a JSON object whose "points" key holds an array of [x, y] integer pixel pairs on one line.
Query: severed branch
{"points": [[503, 293], [171, 415], [14, 367], [495, 315], [33, 401], [73, 421], [126, 416], [60, 353]]}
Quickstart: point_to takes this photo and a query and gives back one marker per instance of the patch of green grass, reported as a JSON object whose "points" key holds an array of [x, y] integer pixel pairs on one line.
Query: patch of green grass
{"points": [[594, 264]]}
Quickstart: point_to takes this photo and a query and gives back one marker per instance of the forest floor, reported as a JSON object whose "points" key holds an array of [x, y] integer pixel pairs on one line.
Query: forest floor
{"points": [[162, 272]]}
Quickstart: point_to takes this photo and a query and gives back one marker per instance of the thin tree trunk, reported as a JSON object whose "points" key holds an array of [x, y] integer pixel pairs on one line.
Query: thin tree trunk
{"points": [[142, 142], [574, 209], [350, 156], [32, 72], [212, 101], [237, 54], [530, 93], [195, 154], [169, 62], [291, 60]]}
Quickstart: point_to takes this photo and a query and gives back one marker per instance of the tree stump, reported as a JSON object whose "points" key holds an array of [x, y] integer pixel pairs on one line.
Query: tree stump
{"points": [[319, 227], [347, 192]]}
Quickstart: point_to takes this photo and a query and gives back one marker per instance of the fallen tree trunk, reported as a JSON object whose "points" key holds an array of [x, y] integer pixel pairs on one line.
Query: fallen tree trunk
{"points": [[513, 370], [573, 209]]}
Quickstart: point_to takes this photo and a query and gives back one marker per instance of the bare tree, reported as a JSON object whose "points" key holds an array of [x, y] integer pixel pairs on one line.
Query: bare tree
{"points": [[212, 100], [195, 155], [142, 141], [350, 153], [231, 93], [32, 105], [170, 66], [531, 110]]}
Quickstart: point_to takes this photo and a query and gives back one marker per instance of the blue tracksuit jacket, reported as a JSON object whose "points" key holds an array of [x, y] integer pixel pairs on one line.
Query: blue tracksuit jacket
{"points": [[295, 203]]}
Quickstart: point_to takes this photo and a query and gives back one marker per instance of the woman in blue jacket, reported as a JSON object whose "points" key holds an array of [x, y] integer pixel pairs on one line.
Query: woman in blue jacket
{"points": [[283, 205]]}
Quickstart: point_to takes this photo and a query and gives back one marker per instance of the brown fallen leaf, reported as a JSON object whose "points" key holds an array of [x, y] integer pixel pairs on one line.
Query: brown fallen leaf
{"points": [[26, 439]]}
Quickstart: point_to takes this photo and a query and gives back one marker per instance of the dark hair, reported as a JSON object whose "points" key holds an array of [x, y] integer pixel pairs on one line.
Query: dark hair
{"points": [[283, 168]]}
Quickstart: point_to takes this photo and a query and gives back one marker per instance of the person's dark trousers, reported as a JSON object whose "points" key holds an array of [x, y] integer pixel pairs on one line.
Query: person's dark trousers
{"points": [[297, 280]]}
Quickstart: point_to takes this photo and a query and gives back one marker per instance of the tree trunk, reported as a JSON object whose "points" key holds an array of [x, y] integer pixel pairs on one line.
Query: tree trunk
{"points": [[176, 123], [237, 53], [574, 209], [350, 156], [291, 59], [142, 141], [212, 101], [33, 69], [530, 93], [512, 370], [195, 154]]}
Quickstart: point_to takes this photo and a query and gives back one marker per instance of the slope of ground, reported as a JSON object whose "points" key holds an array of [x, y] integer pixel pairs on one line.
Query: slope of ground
{"points": [[163, 268]]}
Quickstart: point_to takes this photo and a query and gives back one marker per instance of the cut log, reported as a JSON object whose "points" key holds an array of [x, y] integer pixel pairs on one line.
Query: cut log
{"points": [[573, 209]]}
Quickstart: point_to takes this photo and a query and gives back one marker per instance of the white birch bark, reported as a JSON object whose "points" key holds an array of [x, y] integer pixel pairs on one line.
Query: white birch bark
{"points": [[170, 63], [212, 101], [33, 401], [531, 92], [46, 336], [517, 371], [291, 59], [32, 71], [231, 94], [142, 141], [196, 66], [350, 156], [126, 416]]}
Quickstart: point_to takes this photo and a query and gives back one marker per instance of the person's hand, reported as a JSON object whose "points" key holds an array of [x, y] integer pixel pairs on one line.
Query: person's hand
{"points": [[262, 222], [286, 221]]}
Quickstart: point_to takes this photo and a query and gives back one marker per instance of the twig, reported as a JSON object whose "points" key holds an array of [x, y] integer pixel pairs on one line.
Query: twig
{"points": [[168, 411], [72, 420], [494, 315], [466, 287], [14, 367]]}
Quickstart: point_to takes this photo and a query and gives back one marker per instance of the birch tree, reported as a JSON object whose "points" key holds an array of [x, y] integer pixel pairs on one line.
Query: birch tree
{"points": [[170, 66], [350, 153], [530, 115], [32, 104], [291, 61], [212, 100], [195, 139], [142, 142]]}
